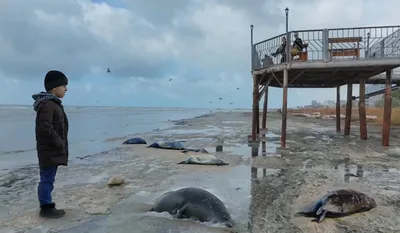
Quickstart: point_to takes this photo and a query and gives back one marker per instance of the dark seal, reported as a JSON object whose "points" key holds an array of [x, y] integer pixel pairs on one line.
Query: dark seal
{"points": [[339, 203], [168, 145], [194, 203], [135, 141]]}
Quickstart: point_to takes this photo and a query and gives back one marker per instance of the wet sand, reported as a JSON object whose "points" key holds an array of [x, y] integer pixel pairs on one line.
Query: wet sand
{"points": [[262, 194]]}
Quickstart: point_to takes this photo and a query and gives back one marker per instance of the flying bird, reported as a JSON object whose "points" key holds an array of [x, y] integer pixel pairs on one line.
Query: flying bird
{"points": [[108, 70]]}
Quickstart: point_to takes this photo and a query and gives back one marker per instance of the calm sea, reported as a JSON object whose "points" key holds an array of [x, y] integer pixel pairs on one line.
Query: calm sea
{"points": [[90, 127]]}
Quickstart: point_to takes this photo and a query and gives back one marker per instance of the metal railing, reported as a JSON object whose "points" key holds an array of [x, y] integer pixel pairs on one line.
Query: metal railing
{"points": [[386, 47], [377, 87], [330, 44], [371, 88]]}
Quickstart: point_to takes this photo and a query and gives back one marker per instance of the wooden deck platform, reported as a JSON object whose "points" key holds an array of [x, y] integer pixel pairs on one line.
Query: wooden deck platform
{"points": [[330, 58], [320, 74]]}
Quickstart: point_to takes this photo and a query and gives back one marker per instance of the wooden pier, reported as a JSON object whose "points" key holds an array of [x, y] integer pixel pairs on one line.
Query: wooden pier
{"points": [[330, 58]]}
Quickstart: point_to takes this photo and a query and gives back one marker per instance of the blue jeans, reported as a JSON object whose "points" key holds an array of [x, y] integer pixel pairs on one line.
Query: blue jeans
{"points": [[46, 184]]}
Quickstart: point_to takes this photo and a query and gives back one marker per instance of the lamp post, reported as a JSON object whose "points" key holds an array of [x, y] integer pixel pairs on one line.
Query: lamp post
{"points": [[252, 49], [287, 36], [368, 36], [287, 22]]}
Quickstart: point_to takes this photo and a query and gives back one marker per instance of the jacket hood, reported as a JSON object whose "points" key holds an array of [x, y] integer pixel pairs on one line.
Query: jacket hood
{"points": [[39, 97]]}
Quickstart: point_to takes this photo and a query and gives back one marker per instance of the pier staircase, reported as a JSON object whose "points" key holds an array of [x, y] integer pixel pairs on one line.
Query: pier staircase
{"points": [[391, 45]]}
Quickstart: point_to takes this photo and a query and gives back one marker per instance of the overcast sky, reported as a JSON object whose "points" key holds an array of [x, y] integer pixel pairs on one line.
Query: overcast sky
{"points": [[202, 45]]}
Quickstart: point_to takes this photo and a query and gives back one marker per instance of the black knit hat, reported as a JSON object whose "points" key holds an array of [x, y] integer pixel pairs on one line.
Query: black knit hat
{"points": [[53, 79]]}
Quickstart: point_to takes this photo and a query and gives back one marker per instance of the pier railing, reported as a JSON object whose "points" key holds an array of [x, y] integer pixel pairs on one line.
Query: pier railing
{"points": [[330, 44]]}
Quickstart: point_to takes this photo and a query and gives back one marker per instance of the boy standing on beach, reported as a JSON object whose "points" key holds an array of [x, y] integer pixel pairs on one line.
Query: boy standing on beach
{"points": [[51, 138]]}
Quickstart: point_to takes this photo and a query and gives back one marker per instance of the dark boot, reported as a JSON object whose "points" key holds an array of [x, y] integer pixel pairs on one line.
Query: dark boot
{"points": [[50, 211]]}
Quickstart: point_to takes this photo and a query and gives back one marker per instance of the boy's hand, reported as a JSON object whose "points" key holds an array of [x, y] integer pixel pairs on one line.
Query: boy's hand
{"points": [[59, 143]]}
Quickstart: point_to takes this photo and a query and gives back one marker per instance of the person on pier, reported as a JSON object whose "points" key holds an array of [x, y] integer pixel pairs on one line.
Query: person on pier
{"points": [[298, 45], [281, 50]]}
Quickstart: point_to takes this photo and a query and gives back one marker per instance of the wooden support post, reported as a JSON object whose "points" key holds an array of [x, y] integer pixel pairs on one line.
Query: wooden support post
{"points": [[349, 103], [255, 105], [284, 107], [265, 107], [338, 109], [254, 172], [258, 116], [387, 111], [264, 148], [361, 111], [254, 149]]}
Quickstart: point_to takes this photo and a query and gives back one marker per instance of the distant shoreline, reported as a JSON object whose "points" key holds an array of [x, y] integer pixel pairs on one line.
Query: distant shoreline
{"points": [[374, 114], [106, 106]]}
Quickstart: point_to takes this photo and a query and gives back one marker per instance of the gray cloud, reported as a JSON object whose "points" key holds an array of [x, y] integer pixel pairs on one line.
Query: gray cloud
{"points": [[40, 35], [204, 45], [151, 38], [147, 40], [158, 12], [259, 11]]}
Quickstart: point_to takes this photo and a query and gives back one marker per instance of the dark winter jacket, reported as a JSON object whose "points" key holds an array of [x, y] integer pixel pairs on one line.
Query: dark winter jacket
{"points": [[51, 130], [298, 43]]}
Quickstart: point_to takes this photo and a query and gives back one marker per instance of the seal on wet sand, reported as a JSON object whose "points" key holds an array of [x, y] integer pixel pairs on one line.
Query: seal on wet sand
{"points": [[194, 203], [169, 145], [339, 203], [204, 159], [135, 141]]}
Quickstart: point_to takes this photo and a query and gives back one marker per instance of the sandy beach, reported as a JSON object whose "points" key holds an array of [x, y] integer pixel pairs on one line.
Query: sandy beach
{"points": [[262, 193]]}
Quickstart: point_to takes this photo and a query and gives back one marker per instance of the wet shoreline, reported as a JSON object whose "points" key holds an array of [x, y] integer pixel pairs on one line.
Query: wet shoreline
{"points": [[266, 190], [90, 127]]}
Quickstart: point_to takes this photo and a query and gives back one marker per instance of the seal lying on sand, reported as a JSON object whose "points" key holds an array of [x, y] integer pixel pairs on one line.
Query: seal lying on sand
{"points": [[202, 150], [206, 159], [170, 145], [339, 203], [195, 203], [135, 141]]}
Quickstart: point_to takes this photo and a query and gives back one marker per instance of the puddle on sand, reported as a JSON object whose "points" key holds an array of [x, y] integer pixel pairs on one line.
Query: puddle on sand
{"points": [[209, 130], [264, 148], [232, 186], [192, 131], [234, 122], [350, 172]]}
